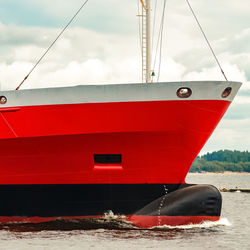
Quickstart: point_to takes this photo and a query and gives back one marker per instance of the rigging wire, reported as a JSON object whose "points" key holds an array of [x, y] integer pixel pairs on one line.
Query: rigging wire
{"points": [[160, 53], [159, 39], [143, 4], [153, 32], [70, 21], [209, 45], [157, 46]]}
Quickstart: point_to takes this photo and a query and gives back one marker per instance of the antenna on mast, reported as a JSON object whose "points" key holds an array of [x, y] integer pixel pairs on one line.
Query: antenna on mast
{"points": [[146, 41]]}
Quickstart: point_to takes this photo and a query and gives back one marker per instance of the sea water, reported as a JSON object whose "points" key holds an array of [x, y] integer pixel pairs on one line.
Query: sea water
{"points": [[112, 232]]}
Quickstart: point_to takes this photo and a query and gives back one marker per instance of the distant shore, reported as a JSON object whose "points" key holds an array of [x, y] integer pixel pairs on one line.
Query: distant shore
{"points": [[218, 173]]}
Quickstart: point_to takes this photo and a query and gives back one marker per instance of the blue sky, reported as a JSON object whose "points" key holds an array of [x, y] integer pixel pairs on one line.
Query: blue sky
{"points": [[102, 45], [47, 14], [22, 13]]}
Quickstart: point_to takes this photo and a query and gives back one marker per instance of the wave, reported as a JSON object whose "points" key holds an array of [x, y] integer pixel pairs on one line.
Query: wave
{"points": [[205, 224], [108, 221]]}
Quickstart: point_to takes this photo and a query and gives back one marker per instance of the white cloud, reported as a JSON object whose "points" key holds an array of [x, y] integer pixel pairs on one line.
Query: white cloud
{"points": [[230, 134], [239, 99], [81, 56], [107, 16], [13, 74], [232, 72], [170, 70]]}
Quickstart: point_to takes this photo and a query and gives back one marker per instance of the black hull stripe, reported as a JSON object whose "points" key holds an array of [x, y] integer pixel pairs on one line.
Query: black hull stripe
{"points": [[97, 199], [77, 199]]}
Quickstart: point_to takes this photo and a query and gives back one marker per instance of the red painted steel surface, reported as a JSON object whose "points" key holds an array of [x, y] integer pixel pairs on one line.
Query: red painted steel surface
{"points": [[55, 144], [141, 221], [144, 221]]}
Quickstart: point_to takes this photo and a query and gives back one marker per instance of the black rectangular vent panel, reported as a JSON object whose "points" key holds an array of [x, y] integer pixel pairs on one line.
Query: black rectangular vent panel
{"points": [[108, 158]]}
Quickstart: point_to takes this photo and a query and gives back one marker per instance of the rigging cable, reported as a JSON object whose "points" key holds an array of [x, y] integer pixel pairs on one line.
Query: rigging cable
{"points": [[71, 20], [159, 39], [143, 4], [160, 57], [153, 32], [209, 45]]}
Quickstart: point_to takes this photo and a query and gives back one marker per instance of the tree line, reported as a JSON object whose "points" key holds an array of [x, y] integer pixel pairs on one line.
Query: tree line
{"points": [[222, 160]]}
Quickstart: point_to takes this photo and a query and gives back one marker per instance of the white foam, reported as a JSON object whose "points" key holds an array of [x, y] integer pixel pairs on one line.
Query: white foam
{"points": [[205, 224], [111, 216]]}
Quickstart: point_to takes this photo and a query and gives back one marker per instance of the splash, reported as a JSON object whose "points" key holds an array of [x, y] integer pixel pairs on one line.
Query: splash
{"points": [[111, 216], [205, 224], [113, 221]]}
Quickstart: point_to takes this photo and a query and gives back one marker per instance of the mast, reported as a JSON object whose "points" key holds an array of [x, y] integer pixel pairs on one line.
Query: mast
{"points": [[146, 41]]}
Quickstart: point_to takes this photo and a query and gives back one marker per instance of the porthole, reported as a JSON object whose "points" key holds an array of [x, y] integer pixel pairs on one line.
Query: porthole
{"points": [[3, 99], [226, 92], [184, 92]]}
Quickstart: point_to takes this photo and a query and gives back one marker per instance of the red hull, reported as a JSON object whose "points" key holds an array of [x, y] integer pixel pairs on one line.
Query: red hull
{"points": [[144, 221], [79, 152], [141, 221], [55, 144]]}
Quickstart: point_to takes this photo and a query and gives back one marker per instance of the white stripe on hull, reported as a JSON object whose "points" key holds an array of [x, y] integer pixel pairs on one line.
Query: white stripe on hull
{"points": [[203, 90]]}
